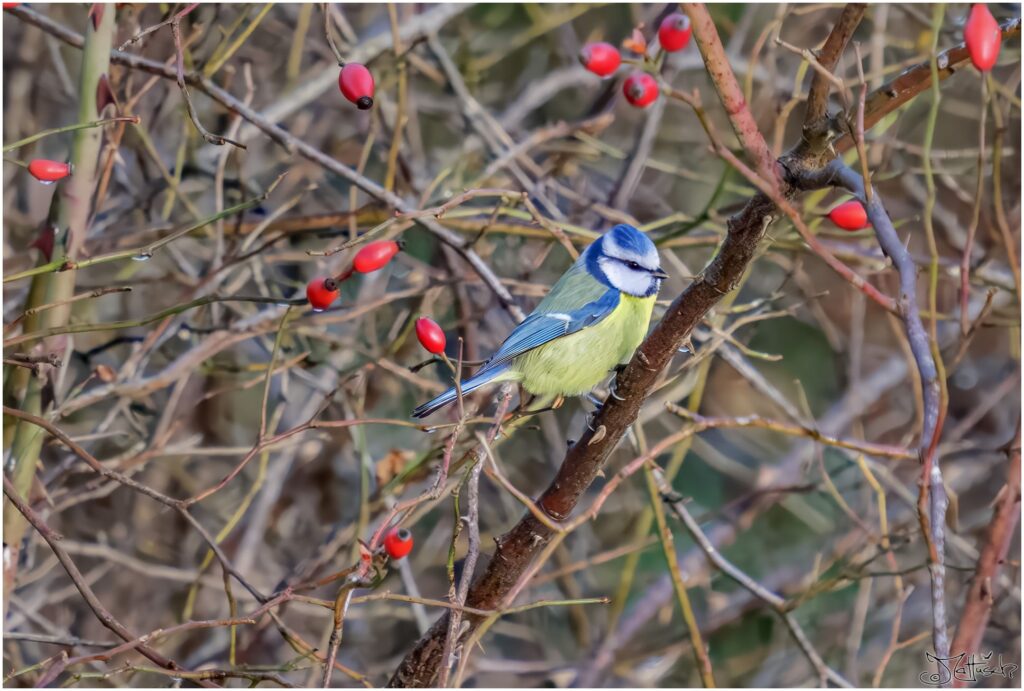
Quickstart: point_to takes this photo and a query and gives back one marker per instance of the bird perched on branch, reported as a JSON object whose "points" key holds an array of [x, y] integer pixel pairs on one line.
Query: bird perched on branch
{"points": [[592, 320]]}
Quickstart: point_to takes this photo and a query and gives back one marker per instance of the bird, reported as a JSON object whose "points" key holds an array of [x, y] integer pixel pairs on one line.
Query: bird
{"points": [[590, 322]]}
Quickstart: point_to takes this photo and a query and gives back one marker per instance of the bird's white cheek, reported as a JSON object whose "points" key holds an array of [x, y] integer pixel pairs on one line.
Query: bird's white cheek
{"points": [[626, 280]]}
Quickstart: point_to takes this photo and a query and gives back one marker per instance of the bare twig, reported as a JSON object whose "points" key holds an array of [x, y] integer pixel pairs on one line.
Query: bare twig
{"points": [[729, 91], [472, 522], [913, 81], [101, 612], [996, 545], [777, 603], [341, 604], [159, 25], [180, 66]]}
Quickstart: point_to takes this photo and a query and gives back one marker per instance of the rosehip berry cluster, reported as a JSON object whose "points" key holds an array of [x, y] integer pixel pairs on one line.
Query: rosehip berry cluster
{"points": [[398, 543], [982, 36], [321, 291], [356, 84], [849, 215], [48, 172], [640, 88]]}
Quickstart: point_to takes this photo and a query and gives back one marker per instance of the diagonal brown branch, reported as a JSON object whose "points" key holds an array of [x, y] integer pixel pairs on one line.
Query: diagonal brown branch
{"points": [[729, 91], [516, 549], [914, 80]]}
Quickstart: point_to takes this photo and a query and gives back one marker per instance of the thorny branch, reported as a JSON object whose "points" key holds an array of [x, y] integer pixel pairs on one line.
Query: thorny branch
{"points": [[517, 549], [777, 603]]}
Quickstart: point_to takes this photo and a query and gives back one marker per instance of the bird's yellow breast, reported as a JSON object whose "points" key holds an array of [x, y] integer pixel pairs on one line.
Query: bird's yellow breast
{"points": [[575, 364]]}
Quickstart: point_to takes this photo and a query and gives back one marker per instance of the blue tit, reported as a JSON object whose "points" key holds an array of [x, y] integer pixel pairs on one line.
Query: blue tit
{"points": [[591, 321]]}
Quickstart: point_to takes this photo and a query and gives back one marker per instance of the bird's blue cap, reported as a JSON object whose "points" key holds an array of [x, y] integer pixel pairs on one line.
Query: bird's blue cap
{"points": [[630, 239]]}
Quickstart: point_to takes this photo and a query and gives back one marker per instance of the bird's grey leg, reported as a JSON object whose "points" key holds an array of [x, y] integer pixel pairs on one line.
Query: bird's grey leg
{"points": [[597, 403], [555, 405], [611, 389]]}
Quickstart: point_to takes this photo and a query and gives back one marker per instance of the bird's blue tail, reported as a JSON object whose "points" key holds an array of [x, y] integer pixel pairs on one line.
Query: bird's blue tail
{"points": [[482, 377]]}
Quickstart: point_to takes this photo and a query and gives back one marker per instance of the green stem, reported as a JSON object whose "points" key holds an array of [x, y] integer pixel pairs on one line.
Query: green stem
{"points": [[700, 653], [139, 253], [70, 211], [134, 119], [130, 323]]}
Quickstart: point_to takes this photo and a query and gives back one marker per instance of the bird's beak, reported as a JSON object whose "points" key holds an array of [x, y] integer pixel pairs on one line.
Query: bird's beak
{"points": [[658, 273]]}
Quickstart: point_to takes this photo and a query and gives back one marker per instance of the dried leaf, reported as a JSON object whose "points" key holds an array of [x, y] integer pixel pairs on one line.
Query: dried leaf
{"points": [[96, 14], [636, 43], [105, 373], [391, 465], [44, 241], [105, 95]]}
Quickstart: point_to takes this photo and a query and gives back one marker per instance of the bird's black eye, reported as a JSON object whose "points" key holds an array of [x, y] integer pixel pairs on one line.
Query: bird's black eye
{"points": [[633, 265]]}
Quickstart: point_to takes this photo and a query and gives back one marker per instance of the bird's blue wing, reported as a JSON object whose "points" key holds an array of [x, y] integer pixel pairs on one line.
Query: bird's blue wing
{"points": [[576, 301], [543, 327], [536, 330]]}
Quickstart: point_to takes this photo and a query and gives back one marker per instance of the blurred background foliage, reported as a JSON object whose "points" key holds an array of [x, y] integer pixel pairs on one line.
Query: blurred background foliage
{"points": [[801, 519]]}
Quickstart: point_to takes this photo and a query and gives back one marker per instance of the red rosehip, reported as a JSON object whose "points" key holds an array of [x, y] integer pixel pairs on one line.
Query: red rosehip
{"points": [[321, 292], [374, 256], [674, 32], [982, 36], [849, 215], [356, 84], [430, 335], [600, 58], [640, 89], [398, 543], [49, 172]]}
